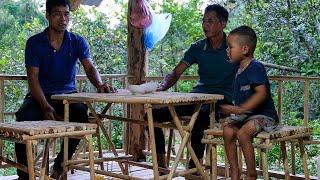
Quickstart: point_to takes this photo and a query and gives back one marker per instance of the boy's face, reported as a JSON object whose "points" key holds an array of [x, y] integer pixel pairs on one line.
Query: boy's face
{"points": [[58, 18], [235, 50], [211, 24]]}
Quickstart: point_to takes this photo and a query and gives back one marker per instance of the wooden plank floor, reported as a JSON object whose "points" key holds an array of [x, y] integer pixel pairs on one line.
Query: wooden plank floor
{"points": [[109, 166]]}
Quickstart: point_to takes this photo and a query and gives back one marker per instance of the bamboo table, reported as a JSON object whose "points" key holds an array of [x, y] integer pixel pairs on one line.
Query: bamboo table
{"points": [[29, 131], [169, 99]]}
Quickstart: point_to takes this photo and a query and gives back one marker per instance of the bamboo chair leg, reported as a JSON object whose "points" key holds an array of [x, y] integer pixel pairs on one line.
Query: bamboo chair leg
{"points": [[264, 162], [226, 168], [54, 147], [240, 161], [100, 148], [44, 159], [293, 158], [169, 147], [285, 159], [30, 160], [214, 172], [65, 157], [91, 158], [304, 159], [173, 148]]}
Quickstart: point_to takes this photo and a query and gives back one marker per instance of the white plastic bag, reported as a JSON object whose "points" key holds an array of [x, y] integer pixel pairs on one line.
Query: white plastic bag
{"points": [[157, 30]]}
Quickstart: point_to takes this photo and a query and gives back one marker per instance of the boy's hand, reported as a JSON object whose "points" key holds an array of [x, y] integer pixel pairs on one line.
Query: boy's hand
{"points": [[230, 109]]}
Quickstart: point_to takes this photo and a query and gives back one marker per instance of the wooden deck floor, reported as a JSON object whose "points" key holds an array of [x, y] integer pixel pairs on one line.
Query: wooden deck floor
{"points": [[110, 166]]}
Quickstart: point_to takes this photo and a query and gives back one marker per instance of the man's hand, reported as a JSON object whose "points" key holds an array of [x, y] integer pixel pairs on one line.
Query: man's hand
{"points": [[105, 88], [230, 109], [50, 114]]}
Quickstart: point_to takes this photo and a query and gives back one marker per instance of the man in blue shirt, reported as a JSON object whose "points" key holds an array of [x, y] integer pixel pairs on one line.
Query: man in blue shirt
{"points": [[216, 77], [51, 58]]}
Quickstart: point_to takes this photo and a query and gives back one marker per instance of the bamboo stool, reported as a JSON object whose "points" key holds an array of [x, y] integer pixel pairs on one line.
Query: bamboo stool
{"points": [[265, 141], [28, 132]]}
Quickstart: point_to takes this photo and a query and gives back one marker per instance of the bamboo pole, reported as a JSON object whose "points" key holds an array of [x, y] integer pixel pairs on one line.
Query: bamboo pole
{"points": [[99, 147], [91, 157], [104, 131], [182, 134], [44, 159], [293, 158], [306, 102], [169, 147], [265, 161], [65, 140], [152, 142], [280, 87], [30, 160], [304, 159], [285, 159]]}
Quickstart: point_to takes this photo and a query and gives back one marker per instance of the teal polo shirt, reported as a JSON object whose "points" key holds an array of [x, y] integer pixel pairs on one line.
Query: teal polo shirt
{"points": [[214, 69]]}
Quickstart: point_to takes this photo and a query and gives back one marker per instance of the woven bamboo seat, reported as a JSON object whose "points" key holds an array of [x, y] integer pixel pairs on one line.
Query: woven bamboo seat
{"points": [[26, 129], [29, 131], [266, 140], [291, 132]]}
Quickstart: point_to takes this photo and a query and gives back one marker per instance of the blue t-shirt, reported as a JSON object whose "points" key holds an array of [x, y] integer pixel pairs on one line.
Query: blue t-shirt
{"points": [[57, 69], [216, 73], [245, 82]]}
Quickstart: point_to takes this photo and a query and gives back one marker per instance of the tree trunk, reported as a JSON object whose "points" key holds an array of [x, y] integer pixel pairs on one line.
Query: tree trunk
{"points": [[137, 70]]}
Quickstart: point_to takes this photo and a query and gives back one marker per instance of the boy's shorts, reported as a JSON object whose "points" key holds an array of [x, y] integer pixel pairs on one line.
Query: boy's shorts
{"points": [[262, 122]]}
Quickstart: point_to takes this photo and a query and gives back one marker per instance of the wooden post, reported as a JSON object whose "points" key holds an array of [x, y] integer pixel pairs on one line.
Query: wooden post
{"points": [[137, 70]]}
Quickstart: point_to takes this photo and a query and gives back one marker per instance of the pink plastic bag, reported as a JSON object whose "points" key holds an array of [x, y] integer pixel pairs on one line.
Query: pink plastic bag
{"points": [[141, 16]]}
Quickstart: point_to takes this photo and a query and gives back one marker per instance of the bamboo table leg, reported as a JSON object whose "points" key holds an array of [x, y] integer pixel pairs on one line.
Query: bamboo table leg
{"points": [[105, 133], [183, 135], [30, 160], [152, 141], [65, 142]]}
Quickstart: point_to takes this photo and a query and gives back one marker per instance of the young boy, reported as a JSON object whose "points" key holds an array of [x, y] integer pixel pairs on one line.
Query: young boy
{"points": [[254, 109]]}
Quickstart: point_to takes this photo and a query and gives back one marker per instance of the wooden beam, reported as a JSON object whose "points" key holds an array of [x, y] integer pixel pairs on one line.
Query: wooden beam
{"points": [[137, 70]]}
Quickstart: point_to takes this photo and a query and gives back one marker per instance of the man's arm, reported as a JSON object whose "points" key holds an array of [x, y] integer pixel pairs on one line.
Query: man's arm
{"points": [[37, 93], [94, 77], [173, 77], [254, 101]]}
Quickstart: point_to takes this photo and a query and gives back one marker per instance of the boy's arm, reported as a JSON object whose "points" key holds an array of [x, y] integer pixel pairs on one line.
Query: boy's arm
{"points": [[260, 94]]}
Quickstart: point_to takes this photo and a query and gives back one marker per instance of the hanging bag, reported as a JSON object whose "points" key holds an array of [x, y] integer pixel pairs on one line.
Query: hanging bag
{"points": [[141, 16]]}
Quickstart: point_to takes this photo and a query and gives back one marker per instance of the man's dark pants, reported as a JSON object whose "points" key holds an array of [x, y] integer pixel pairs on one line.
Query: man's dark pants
{"points": [[202, 123], [31, 111]]}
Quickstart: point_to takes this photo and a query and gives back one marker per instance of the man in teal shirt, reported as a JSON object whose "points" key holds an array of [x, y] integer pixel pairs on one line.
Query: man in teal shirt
{"points": [[216, 77]]}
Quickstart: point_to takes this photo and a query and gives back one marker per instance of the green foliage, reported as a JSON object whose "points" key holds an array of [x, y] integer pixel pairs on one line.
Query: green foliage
{"points": [[288, 32]]}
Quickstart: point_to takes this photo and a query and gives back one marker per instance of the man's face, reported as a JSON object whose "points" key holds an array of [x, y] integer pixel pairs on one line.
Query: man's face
{"points": [[235, 51], [58, 18], [212, 25]]}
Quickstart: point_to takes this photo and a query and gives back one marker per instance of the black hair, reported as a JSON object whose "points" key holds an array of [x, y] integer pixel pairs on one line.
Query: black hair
{"points": [[221, 12], [247, 36], [50, 4]]}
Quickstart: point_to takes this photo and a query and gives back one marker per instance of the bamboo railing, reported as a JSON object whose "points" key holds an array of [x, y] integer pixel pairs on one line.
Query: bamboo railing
{"points": [[110, 78]]}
